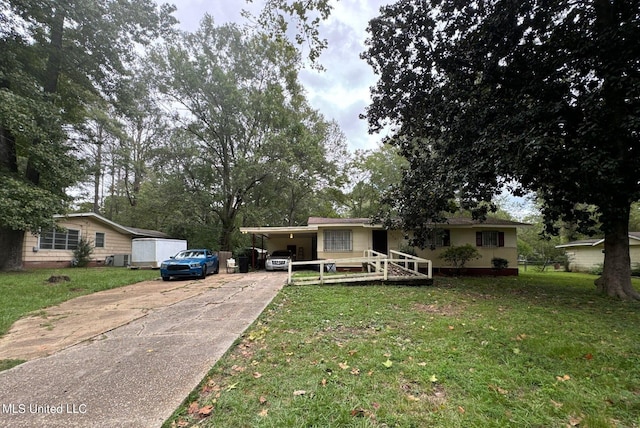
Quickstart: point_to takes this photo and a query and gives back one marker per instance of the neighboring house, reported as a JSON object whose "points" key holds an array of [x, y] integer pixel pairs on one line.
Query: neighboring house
{"points": [[54, 248], [340, 238], [588, 254]]}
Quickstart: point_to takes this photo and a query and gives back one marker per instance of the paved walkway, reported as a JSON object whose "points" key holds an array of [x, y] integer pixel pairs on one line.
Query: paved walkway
{"points": [[142, 361]]}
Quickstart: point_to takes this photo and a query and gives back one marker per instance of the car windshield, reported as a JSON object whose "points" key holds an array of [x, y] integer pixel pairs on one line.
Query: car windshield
{"points": [[190, 254], [280, 254]]}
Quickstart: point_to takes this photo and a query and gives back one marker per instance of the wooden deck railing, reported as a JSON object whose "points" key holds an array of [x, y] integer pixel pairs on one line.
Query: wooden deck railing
{"points": [[376, 267]]}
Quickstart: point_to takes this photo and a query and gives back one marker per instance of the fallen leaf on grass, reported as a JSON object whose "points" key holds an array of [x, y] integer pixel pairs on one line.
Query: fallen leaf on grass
{"points": [[563, 378], [556, 404], [358, 413], [422, 364], [412, 397], [193, 408], [588, 357], [343, 366], [262, 400], [388, 363], [232, 387], [263, 413], [355, 371], [433, 378], [323, 382], [574, 421], [257, 375], [299, 392], [461, 409], [451, 327], [205, 411], [498, 389]]}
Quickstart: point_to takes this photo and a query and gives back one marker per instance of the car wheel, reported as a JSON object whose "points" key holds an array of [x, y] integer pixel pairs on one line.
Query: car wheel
{"points": [[166, 278], [204, 271]]}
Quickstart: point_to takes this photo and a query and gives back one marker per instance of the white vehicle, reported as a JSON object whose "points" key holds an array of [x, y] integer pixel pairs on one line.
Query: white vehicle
{"points": [[278, 260]]}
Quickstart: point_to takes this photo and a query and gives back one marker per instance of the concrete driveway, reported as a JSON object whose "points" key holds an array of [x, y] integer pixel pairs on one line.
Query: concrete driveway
{"points": [[126, 357]]}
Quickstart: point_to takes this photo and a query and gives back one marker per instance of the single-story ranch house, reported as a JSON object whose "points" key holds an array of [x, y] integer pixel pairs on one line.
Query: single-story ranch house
{"points": [[54, 248], [588, 254], [341, 238]]}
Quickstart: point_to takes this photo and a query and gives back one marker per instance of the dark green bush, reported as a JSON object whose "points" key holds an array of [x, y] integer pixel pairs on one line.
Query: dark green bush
{"points": [[499, 263]]}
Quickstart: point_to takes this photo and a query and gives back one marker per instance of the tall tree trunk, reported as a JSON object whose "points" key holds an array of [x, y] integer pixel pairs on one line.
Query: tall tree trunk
{"points": [[226, 233], [616, 276], [8, 158], [52, 74], [11, 242], [97, 174]]}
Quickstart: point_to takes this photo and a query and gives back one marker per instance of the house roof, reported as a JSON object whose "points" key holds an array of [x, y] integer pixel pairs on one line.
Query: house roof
{"points": [[452, 221], [133, 231], [314, 222], [328, 220], [595, 241], [489, 221]]}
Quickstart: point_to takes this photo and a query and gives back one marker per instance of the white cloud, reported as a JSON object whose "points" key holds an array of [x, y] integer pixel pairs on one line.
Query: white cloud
{"points": [[341, 92]]}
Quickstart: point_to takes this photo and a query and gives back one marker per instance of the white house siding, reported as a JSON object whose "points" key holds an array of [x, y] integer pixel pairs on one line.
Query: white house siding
{"points": [[465, 236], [115, 243], [586, 258]]}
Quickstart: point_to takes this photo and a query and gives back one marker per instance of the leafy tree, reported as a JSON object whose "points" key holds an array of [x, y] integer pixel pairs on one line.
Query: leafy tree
{"points": [[310, 165], [489, 93], [58, 58], [244, 124], [277, 16], [372, 173]]}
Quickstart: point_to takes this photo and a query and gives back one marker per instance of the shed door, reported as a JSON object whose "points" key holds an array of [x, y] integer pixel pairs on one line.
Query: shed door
{"points": [[380, 242]]}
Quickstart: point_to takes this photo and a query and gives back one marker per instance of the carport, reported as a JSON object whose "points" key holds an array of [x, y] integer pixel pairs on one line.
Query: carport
{"points": [[300, 241]]}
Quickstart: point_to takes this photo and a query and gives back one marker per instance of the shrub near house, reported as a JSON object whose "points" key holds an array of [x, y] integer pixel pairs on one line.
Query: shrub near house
{"points": [[459, 256]]}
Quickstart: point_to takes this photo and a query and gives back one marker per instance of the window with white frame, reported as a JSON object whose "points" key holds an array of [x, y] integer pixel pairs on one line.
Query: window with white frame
{"points": [[60, 239], [338, 240], [99, 243]]}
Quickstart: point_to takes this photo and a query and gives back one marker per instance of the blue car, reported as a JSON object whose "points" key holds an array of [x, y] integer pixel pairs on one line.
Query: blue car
{"points": [[190, 263]]}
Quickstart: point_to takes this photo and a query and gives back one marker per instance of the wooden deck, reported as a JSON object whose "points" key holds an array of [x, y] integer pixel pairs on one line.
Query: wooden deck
{"points": [[396, 267]]}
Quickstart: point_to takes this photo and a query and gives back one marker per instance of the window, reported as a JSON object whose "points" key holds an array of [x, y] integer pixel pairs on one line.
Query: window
{"points": [[99, 240], [337, 240], [439, 238], [60, 239], [490, 238]]}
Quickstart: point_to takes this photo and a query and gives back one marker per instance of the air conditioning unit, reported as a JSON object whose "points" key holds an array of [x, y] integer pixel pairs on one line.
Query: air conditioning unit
{"points": [[121, 260]]}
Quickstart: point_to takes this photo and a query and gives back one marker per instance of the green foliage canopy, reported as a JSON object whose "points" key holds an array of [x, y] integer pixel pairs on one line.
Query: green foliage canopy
{"points": [[485, 94]]}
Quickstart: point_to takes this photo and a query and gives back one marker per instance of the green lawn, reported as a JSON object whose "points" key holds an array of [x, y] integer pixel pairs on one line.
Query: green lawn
{"points": [[540, 350], [29, 291]]}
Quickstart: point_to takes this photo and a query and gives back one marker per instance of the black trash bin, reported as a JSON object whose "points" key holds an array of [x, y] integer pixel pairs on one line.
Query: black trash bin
{"points": [[243, 264]]}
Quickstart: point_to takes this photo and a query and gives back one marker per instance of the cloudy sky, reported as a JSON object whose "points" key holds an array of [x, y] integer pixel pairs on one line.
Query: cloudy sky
{"points": [[341, 92]]}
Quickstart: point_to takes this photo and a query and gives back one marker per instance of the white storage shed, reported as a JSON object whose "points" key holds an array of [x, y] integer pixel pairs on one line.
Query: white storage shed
{"points": [[150, 252]]}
